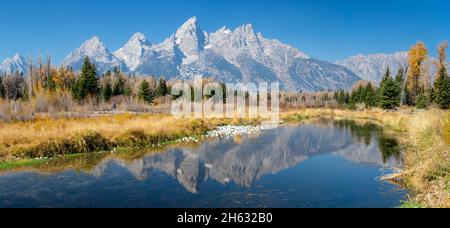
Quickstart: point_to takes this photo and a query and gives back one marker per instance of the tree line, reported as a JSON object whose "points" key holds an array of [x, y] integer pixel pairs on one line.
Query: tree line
{"points": [[87, 84], [411, 86]]}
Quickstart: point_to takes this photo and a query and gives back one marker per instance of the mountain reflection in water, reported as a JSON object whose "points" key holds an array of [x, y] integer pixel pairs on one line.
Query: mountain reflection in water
{"points": [[320, 164], [242, 163]]}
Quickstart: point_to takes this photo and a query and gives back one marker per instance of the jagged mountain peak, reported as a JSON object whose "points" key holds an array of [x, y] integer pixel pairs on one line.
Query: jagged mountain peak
{"points": [[133, 52], [139, 38], [99, 54], [17, 63], [246, 28], [94, 42], [191, 22], [18, 57], [224, 29], [190, 38]]}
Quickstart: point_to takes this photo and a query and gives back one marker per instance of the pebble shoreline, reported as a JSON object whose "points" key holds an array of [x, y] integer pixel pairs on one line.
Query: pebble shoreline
{"points": [[225, 132]]}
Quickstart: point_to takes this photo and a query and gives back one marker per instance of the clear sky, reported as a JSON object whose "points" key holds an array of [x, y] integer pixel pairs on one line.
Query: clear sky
{"points": [[324, 29]]}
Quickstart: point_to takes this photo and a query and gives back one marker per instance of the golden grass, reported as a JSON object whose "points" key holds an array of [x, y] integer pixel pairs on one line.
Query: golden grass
{"points": [[49, 137], [447, 128]]}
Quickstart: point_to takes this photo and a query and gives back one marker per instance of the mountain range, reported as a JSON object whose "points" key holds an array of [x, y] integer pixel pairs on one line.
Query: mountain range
{"points": [[239, 55], [372, 67]]}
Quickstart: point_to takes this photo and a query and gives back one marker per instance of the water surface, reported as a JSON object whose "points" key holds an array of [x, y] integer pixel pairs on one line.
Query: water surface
{"points": [[322, 164]]}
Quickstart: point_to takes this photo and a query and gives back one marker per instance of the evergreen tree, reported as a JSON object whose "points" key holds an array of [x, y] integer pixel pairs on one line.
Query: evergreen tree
{"points": [[422, 101], [357, 95], [107, 91], [441, 90], [87, 83], [127, 91], [119, 85], [370, 96], [341, 97], [145, 92], [162, 89], [347, 98], [389, 94], [386, 77]]}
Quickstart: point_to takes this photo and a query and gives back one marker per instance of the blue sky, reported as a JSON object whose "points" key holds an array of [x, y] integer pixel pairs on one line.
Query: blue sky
{"points": [[324, 29]]}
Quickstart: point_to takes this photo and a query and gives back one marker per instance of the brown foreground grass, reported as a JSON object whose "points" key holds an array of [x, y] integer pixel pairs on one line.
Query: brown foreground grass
{"points": [[425, 135], [49, 137]]}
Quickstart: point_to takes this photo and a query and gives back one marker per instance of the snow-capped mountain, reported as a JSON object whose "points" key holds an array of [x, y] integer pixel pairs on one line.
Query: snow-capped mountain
{"points": [[133, 53], [97, 52], [372, 67], [239, 55], [14, 65], [191, 39]]}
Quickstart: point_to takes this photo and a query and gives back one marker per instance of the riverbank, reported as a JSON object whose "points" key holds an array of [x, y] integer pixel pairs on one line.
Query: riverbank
{"points": [[424, 135], [425, 138], [49, 137]]}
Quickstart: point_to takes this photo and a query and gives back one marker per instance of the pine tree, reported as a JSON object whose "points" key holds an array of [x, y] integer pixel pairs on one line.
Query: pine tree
{"points": [[107, 91], [119, 85], [441, 91], [145, 92], [389, 94], [127, 91], [357, 95], [386, 77], [162, 89], [87, 83], [370, 96], [422, 101], [341, 97]]}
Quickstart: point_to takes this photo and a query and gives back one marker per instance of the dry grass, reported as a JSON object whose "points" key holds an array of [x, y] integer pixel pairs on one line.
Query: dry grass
{"points": [[48, 137], [447, 128]]}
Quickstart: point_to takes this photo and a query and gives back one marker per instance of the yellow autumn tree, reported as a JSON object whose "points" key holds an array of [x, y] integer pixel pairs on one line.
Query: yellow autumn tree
{"points": [[417, 57], [64, 78]]}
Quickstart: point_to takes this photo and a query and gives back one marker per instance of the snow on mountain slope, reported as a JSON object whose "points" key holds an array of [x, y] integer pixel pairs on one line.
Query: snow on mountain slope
{"points": [[239, 55], [133, 53], [97, 52], [15, 64], [372, 67], [162, 59], [190, 38]]}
